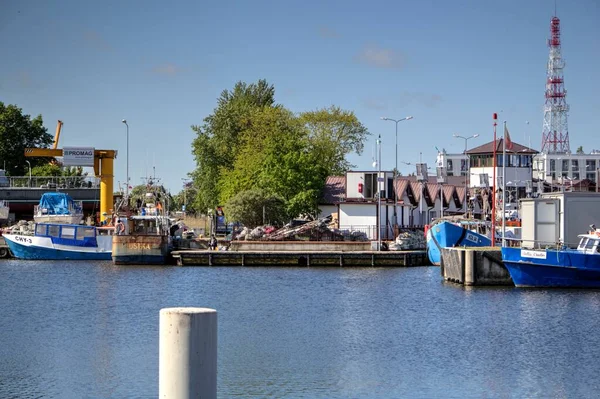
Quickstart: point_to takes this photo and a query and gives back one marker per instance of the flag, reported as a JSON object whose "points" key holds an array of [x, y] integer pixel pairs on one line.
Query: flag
{"points": [[509, 143]]}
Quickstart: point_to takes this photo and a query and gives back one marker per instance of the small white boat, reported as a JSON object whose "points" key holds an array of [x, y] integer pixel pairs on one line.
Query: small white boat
{"points": [[55, 241]]}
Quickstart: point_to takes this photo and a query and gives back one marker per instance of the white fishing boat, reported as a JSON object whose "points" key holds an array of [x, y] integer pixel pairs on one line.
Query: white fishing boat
{"points": [[55, 241]]}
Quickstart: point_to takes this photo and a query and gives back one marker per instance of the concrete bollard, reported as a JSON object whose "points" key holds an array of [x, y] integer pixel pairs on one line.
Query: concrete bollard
{"points": [[188, 353]]}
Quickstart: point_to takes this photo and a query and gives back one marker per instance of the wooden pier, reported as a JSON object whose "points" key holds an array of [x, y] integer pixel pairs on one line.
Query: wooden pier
{"points": [[301, 258]]}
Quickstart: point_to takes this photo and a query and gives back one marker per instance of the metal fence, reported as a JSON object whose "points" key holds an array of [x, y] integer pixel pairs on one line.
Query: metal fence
{"points": [[52, 182]]}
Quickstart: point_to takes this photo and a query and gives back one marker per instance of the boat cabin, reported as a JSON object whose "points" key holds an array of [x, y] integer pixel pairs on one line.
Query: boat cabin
{"points": [[68, 234], [589, 243], [149, 225]]}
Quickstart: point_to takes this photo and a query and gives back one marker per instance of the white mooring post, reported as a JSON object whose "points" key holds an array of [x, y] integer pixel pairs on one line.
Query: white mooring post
{"points": [[188, 353]]}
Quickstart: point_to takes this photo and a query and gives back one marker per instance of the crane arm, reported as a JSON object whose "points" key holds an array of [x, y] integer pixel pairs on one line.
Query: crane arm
{"points": [[57, 134]]}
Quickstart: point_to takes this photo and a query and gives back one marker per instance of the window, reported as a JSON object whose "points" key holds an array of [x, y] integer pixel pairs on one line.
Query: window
{"points": [[68, 232], [370, 185], [54, 231], [590, 165], [565, 165], [591, 176], [574, 165], [575, 175], [40, 229]]}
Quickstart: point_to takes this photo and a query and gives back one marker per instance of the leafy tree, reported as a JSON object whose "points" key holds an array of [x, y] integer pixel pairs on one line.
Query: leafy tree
{"points": [[580, 149], [217, 143], [254, 207], [335, 133], [250, 142], [17, 132]]}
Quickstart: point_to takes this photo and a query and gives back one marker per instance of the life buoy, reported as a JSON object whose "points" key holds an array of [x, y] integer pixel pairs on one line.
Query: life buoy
{"points": [[426, 229]]}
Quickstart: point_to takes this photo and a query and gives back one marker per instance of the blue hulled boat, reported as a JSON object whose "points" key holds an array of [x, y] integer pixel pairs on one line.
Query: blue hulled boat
{"points": [[556, 267], [55, 241], [447, 234]]}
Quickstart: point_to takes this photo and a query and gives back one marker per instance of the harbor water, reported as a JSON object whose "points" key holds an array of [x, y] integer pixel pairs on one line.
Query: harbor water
{"points": [[91, 330]]}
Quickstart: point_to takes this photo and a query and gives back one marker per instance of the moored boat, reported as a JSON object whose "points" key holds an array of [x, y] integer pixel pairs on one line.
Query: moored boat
{"points": [[448, 234], [559, 266], [146, 239], [55, 241]]}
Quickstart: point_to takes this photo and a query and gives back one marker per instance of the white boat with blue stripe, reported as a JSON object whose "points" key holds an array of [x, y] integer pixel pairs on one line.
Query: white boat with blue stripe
{"points": [[56, 241]]}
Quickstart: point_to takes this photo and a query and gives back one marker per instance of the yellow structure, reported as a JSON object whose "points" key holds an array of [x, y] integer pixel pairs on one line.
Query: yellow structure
{"points": [[57, 135], [103, 168]]}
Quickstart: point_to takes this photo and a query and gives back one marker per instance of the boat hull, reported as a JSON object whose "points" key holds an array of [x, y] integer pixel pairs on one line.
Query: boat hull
{"points": [[140, 250], [42, 248], [552, 268], [447, 235]]}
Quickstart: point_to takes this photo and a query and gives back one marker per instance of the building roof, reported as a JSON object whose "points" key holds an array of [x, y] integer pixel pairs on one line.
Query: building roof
{"points": [[488, 148], [334, 190]]}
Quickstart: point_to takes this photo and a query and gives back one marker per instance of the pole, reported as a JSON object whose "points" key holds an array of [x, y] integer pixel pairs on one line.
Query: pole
{"points": [[127, 162], [29, 163], [379, 196], [504, 187], [188, 353], [466, 177], [495, 187], [441, 200], [395, 222]]}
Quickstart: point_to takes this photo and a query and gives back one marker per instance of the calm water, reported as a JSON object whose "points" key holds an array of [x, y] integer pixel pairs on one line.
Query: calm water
{"points": [[77, 330]]}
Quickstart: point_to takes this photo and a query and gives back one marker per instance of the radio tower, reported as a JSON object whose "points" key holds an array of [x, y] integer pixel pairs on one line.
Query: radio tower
{"points": [[555, 134]]}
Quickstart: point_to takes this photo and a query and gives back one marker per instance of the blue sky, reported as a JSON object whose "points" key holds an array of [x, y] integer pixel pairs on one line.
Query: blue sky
{"points": [[162, 65]]}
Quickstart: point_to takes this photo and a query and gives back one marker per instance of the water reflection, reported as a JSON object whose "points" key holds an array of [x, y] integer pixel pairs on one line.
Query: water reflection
{"points": [[72, 330]]}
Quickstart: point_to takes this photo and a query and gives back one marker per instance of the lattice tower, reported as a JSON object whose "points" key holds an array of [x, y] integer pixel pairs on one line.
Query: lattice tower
{"points": [[555, 134]]}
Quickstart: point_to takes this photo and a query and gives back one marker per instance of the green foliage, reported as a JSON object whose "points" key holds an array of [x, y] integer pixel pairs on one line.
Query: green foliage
{"points": [[249, 142], [255, 207], [56, 170], [335, 133], [580, 150], [217, 143], [17, 132]]}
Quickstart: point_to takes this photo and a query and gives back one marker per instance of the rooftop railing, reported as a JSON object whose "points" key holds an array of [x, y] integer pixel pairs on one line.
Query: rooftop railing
{"points": [[51, 182]]}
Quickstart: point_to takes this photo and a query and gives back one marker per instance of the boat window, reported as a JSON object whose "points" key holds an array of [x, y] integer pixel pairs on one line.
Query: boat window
{"points": [[68, 232], [40, 229], [53, 230], [590, 243], [85, 232]]}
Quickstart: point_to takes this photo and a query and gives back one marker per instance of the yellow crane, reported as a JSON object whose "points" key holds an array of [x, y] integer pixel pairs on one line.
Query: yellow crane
{"points": [[103, 168], [57, 134]]}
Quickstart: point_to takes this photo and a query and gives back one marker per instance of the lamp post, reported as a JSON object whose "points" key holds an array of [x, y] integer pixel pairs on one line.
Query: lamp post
{"points": [[396, 121], [127, 161], [466, 139], [185, 187], [29, 163], [379, 194]]}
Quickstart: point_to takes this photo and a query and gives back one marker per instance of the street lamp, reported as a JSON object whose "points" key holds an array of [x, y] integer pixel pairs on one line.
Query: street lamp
{"points": [[127, 161], [468, 165], [395, 221], [185, 187], [29, 163]]}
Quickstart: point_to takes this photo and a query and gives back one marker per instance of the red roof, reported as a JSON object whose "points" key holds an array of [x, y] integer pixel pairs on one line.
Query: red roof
{"points": [[488, 148]]}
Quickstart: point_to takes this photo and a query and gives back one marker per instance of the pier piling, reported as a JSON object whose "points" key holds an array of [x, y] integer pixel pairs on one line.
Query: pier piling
{"points": [[188, 353]]}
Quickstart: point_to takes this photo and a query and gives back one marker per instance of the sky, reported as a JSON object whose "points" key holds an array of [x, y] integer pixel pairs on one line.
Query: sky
{"points": [[162, 65]]}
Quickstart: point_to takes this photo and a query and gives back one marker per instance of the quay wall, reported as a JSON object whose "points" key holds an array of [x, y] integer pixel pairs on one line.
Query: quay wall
{"points": [[474, 266]]}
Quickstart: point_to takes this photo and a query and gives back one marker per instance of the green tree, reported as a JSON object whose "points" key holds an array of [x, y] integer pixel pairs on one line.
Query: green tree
{"points": [[17, 132], [580, 149], [216, 145], [335, 133], [255, 207]]}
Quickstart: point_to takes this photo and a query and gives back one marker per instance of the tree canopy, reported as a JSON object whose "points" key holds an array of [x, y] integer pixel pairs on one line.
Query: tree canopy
{"points": [[251, 143], [17, 132]]}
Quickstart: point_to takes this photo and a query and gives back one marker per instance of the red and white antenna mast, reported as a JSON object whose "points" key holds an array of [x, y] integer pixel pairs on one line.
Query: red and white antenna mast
{"points": [[555, 134]]}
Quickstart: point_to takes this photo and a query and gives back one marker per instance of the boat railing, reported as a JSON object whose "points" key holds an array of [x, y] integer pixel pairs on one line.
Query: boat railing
{"points": [[54, 182]]}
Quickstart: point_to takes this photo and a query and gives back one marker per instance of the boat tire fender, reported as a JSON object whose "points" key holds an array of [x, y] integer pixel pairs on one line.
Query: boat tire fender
{"points": [[4, 252]]}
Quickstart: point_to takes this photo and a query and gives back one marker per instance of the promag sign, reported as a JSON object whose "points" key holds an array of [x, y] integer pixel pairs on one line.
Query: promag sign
{"points": [[78, 156]]}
